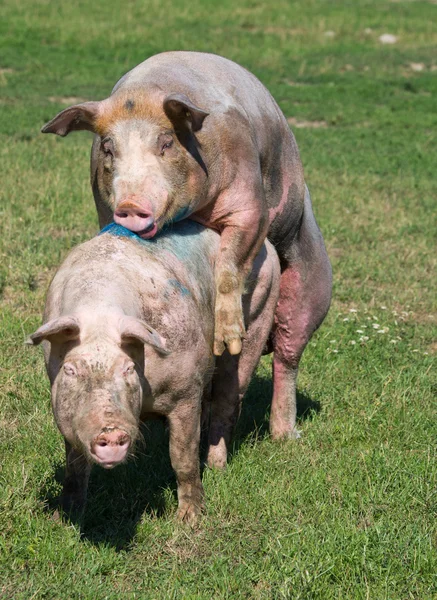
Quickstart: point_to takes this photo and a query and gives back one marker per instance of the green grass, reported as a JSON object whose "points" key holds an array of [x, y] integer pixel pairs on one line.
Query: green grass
{"points": [[348, 511]]}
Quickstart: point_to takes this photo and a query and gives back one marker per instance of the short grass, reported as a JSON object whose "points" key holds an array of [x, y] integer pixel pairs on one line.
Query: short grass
{"points": [[348, 511]]}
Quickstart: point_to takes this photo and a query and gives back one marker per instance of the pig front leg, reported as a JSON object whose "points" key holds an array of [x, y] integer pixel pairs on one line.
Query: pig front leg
{"points": [[240, 241], [77, 474], [184, 423]]}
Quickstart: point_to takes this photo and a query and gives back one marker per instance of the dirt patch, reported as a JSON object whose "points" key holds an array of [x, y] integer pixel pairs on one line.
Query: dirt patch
{"points": [[6, 70], [307, 124], [295, 83], [66, 99]]}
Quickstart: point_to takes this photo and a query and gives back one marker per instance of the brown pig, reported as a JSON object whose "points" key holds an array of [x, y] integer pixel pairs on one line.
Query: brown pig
{"points": [[194, 134], [128, 331]]}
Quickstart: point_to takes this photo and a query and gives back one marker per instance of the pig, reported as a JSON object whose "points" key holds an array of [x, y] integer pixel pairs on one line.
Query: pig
{"points": [[190, 134], [128, 331]]}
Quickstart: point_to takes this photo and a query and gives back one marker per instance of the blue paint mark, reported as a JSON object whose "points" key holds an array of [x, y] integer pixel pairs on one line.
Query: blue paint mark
{"points": [[115, 229], [120, 231], [181, 214], [178, 285]]}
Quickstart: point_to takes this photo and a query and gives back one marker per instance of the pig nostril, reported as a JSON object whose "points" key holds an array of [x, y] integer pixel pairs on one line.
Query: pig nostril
{"points": [[143, 215], [102, 443], [122, 215]]}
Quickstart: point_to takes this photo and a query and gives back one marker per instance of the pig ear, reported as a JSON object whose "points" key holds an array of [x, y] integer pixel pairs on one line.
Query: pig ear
{"points": [[179, 107], [62, 328], [131, 328], [75, 118]]}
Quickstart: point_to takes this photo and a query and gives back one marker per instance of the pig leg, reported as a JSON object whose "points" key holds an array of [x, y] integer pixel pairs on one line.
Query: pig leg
{"points": [[243, 233], [304, 299], [77, 474], [233, 373], [184, 423]]}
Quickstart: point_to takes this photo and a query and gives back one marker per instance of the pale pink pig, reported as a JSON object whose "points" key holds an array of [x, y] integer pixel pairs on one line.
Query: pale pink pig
{"points": [[128, 330]]}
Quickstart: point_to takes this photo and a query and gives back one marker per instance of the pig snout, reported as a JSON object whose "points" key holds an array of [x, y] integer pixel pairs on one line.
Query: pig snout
{"points": [[110, 447], [137, 218]]}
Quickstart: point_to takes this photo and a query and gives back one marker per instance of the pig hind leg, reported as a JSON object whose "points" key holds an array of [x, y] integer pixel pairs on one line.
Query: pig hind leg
{"points": [[304, 298]]}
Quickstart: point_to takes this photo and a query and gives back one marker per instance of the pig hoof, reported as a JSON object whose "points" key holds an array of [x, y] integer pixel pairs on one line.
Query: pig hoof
{"points": [[217, 456], [229, 326], [189, 514], [288, 434]]}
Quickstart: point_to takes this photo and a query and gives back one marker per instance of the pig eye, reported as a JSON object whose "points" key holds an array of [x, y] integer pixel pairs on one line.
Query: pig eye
{"points": [[69, 369], [129, 369], [166, 142], [108, 147]]}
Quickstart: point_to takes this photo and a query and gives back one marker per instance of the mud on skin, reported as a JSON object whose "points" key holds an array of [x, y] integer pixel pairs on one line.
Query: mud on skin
{"points": [[192, 134], [128, 331]]}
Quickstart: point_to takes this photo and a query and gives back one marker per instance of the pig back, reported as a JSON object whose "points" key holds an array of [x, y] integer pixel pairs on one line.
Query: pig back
{"points": [[168, 281]]}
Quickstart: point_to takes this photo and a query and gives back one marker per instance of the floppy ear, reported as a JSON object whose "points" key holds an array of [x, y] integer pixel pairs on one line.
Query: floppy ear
{"points": [[179, 107], [135, 329], [75, 118], [60, 329]]}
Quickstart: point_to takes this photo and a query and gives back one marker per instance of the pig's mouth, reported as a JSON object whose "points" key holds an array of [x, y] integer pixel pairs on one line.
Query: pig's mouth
{"points": [[148, 232], [110, 447]]}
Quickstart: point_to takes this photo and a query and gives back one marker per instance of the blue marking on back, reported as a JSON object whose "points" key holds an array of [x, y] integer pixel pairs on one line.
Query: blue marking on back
{"points": [[115, 229], [179, 286]]}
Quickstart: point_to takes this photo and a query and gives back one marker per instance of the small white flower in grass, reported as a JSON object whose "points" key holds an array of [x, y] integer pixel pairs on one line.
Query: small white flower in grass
{"points": [[360, 331], [388, 38], [345, 320], [415, 350], [353, 310], [375, 318], [383, 308], [335, 351], [352, 342], [426, 353], [381, 331], [332, 341], [393, 341], [376, 325]]}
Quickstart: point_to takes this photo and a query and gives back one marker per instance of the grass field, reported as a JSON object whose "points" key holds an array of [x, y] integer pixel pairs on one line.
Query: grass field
{"points": [[348, 511]]}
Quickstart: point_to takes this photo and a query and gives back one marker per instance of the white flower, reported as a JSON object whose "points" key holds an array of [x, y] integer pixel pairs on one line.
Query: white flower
{"points": [[353, 310], [364, 338], [352, 342], [393, 341], [388, 38], [360, 331], [415, 350], [346, 319], [375, 325], [332, 341], [381, 330], [335, 351], [383, 308]]}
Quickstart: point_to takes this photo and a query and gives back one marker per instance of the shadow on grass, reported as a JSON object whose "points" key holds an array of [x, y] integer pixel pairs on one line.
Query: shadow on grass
{"points": [[118, 499], [255, 413]]}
